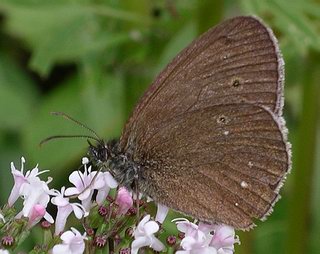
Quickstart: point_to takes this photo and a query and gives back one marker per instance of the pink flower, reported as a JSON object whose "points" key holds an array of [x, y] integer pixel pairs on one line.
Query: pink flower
{"points": [[36, 194], [200, 239], [64, 210], [224, 239], [20, 179], [124, 200], [72, 243], [195, 241], [36, 214], [144, 236]]}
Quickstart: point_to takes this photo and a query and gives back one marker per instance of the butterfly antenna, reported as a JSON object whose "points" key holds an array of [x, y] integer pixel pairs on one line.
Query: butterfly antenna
{"points": [[64, 115], [68, 136]]}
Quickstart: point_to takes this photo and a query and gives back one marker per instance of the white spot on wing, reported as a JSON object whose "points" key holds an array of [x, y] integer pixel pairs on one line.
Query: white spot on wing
{"points": [[244, 184]]}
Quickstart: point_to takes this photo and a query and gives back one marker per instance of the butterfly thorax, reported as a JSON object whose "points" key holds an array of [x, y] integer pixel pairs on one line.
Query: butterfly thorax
{"points": [[109, 157]]}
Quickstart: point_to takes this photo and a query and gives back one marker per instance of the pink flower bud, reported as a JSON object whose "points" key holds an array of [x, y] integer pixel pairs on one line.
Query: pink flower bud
{"points": [[37, 213], [124, 200]]}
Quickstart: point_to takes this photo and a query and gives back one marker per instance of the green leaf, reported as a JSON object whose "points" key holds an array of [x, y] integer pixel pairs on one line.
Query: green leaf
{"points": [[17, 96], [292, 19], [104, 106], [59, 153], [177, 43], [100, 109], [61, 33], [298, 22]]}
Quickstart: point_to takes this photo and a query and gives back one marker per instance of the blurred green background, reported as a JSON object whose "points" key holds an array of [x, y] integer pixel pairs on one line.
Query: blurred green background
{"points": [[94, 59]]}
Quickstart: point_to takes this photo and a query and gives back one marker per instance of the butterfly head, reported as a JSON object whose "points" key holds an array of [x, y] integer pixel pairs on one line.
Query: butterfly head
{"points": [[99, 153], [108, 157]]}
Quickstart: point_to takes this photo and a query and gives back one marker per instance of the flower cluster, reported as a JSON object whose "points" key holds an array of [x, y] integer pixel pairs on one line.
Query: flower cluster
{"points": [[111, 217], [34, 191], [206, 238]]}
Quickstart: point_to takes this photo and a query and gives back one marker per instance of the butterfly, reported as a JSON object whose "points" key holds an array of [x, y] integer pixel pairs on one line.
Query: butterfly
{"points": [[208, 138]]}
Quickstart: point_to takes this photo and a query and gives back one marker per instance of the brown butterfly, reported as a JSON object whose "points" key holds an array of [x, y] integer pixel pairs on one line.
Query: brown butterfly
{"points": [[207, 138]]}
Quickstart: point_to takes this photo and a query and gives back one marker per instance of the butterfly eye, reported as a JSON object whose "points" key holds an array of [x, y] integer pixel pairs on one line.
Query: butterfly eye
{"points": [[97, 153]]}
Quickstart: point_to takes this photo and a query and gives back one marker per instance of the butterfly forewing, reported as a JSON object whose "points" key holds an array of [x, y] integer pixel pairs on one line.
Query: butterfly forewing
{"points": [[208, 133], [237, 61]]}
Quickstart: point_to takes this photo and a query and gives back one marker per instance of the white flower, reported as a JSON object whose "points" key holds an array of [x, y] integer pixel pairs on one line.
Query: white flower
{"points": [[4, 251], [64, 210], [144, 236], [200, 239], [162, 212], [224, 239], [84, 185], [195, 241], [72, 243], [20, 179], [35, 192], [109, 183]]}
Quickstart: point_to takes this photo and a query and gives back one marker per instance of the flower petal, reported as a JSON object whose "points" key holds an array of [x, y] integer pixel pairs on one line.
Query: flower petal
{"points": [[206, 228], [151, 227], [101, 195], [142, 222], [188, 243], [86, 194], [162, 212], [139, 243], [76, 179], [61, 249], [205, 250], [71, 191], [67, 236], [186, 226], [111, 182], [48, 218], [78, 210], [157, 245], [224, 237]]}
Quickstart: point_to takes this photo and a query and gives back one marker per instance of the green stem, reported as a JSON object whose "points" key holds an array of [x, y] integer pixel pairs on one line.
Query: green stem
{"points": [[304, 162], [170, 250]]}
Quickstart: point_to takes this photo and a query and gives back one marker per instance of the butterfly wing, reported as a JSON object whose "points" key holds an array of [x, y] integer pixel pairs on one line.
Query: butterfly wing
{"points": [[220, 164], [211, 123], [237, 61]]}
